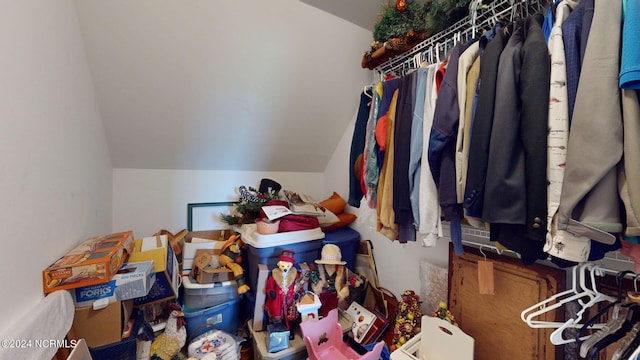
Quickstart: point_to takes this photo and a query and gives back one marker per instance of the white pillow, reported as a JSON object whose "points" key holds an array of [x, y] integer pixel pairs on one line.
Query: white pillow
{"points": [[328, 218]]}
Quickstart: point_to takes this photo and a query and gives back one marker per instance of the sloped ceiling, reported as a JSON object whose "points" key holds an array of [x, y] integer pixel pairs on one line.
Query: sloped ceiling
{"points": [[223, 85], [360, 12]]}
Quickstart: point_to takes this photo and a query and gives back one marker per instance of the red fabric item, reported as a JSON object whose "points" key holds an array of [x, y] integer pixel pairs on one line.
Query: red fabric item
{"points": [[297, 222], [329, 301], [381, 131], [442, 69], [293, 222]]}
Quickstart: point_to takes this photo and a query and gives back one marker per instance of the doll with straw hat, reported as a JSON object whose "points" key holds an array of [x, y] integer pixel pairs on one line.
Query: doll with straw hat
{"points": [[331, 285]]}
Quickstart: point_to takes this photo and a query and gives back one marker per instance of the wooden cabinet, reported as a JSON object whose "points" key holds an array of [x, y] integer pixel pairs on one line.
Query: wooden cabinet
{"points": [[494, 320]]}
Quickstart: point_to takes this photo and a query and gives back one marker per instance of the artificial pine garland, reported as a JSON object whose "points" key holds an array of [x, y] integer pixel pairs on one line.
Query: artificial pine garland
{"points": [[398, 19], [248, 209]]}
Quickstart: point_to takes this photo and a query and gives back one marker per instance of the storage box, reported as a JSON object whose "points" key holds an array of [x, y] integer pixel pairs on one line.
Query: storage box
{"points": [[266, 249], [125, 349], [103, 326], [205, 273], [198, 296], [295, 351], [205, 239], [160, 252], [347, 239], [134, 279], [94, 261], [223, 317]]}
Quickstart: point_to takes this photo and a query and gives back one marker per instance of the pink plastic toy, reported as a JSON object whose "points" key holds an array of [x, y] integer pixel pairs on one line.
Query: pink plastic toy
{"points": [[324, 340]]}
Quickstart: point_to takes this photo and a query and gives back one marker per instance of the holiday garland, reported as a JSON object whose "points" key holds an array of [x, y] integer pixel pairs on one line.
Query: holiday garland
{"points": [[248, 208], [402, 24]]}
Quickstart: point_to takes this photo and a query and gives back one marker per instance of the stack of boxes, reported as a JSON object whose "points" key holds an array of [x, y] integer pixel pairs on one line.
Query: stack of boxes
{"points": [[108, 276], [210, 294], [118, 283]]}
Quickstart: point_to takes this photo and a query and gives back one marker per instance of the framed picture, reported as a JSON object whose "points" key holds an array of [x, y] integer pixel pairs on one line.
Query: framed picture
{"points": [[206, 216]]}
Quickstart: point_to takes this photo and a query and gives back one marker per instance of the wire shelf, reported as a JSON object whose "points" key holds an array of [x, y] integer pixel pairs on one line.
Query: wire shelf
{"points": [[484, 17]]}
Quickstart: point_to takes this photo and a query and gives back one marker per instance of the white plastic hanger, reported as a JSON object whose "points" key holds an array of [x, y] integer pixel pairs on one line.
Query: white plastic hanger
{"points": [[556, 336], [580, 291], [552, 303]]}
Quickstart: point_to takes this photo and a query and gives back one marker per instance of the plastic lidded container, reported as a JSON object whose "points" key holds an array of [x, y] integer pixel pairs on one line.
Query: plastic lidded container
{"points": [[198, 296], [266, 249]]}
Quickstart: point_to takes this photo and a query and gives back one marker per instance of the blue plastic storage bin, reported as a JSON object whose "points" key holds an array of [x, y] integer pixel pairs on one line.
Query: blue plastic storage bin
{"points": [[225, 317], [347, 239], [266, 249]]}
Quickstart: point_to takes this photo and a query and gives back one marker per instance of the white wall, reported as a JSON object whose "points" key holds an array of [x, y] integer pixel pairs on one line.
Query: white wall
{"points": [[55, 172], [398, 264]]}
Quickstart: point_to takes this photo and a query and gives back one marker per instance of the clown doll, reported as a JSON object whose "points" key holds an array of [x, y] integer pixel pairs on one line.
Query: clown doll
{"points": [[280, 289]]}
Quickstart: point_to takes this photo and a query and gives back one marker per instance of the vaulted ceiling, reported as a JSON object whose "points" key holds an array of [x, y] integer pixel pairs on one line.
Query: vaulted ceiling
{"points": [[226, 85]]}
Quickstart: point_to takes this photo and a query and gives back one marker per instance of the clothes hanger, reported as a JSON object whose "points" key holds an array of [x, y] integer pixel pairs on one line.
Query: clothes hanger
{"points": [[619, 283], [634, 295], [482, 252], [633, 350], [556, 336], [627, 343], [576, 292], [617, 318], [368, 91], [633, 316]]}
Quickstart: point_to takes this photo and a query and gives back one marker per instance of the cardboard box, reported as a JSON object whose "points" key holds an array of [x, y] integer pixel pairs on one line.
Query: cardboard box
{"points": [[205, 239], [134, 279], [125, 349], [94, 261], [206, 273], [157, 248], [102, 326]]}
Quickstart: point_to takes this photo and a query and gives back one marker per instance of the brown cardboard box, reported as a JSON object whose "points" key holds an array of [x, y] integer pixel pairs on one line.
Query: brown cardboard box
{"points": [[203, 239], [94, 261], [204, 273], [103, 326]]}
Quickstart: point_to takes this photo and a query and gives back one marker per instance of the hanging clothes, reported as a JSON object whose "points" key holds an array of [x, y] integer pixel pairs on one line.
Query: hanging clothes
{"points": [[357, 149], [517, 171], [630, 57], [482, 124], [417, 144], [589, 206], [430, 228], [402, 152], [442, 142], [385, 216], [467, 59]]}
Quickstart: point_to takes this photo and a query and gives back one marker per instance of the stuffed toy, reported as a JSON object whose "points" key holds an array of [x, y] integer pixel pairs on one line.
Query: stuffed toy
{"points": [[329, 280], [230, 258], [281, 291]]}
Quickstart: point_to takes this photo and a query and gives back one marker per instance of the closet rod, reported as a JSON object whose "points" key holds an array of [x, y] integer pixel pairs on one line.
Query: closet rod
{"points": [[484, 18]]}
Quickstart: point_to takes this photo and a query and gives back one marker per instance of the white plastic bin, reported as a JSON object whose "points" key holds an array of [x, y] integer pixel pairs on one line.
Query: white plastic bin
{"points": [[199, 296]]}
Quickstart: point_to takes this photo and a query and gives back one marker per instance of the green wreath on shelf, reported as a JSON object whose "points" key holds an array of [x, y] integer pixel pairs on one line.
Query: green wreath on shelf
{"points": [[402, 24]]}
